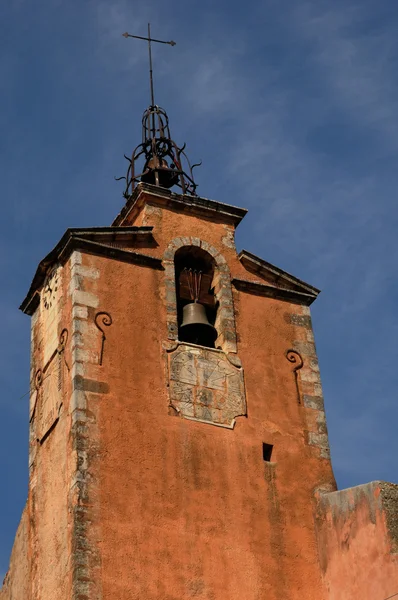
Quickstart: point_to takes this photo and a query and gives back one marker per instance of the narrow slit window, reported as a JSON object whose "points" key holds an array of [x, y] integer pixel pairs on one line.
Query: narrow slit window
{"points": [[267, 452]]}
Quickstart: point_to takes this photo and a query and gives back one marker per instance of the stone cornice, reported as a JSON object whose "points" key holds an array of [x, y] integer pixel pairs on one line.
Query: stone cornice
{"points": [[203, 207], [270, 291], [276, 276], [96, 240]]}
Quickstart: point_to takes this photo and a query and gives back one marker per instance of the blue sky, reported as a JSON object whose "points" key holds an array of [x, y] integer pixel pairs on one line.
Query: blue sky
{"points": [[291, 105]]}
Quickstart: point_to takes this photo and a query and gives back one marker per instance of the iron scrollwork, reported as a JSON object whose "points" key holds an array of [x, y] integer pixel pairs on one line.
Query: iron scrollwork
{"points": [[295, 358], [164, 163], [102, 319]]}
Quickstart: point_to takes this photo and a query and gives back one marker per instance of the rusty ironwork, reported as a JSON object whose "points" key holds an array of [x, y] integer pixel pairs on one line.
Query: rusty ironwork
{"points": [[157, 159], [164, 163], [149, 39], [106, 320], [296, 359], [194, 279]]}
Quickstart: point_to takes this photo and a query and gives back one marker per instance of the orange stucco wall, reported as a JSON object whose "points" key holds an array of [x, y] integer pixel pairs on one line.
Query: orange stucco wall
{"points": [[49, 519], [188, 509], [17, 581]]}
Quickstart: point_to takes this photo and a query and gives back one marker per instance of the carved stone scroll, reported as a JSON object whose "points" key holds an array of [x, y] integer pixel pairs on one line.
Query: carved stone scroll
{"points": [[205, 386]]}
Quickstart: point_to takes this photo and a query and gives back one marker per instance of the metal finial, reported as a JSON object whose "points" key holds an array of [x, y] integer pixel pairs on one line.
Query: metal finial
{"points": [[165, 164], [149, 40]]}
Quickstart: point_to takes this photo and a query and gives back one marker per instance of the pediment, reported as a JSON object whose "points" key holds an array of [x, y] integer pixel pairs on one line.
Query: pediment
{"points": [[117, 243], [274, 281]]}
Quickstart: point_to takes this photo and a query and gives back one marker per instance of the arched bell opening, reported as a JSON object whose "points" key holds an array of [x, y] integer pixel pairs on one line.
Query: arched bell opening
{"points": [[196, 302]]}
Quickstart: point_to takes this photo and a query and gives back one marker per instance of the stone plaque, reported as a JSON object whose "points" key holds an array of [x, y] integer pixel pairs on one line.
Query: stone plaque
{"points": [[205, 385]]}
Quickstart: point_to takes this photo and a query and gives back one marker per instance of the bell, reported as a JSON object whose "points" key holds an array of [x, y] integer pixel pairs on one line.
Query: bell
{"points": [[195, 327], [166, 176]]}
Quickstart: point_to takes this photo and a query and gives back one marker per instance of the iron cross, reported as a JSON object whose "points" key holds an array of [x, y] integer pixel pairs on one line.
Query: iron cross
{"points": [[149, 40]]}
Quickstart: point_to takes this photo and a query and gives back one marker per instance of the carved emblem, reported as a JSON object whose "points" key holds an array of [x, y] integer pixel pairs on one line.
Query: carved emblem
{"points": [[205, 386]]}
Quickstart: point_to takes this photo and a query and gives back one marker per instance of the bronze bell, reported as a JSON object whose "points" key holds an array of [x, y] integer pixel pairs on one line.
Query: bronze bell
{"points": [[195, 327], [166, 176]]}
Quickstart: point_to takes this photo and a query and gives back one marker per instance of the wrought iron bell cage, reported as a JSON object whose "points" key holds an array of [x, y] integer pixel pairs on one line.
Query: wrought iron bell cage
{"points": [[164, 163]]}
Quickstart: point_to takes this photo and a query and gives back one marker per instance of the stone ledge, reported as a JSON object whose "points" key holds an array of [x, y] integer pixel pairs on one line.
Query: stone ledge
{"points": [[269, 291], [158, 196], [278, 277]]}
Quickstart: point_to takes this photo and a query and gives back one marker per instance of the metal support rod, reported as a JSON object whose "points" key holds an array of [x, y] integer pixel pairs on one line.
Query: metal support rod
{"points": [[151, 79], [139, 37], [150, 67]]}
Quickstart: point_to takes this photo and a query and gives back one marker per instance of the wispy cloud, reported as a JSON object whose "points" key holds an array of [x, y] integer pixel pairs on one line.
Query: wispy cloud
{"points": [[356, 60]]}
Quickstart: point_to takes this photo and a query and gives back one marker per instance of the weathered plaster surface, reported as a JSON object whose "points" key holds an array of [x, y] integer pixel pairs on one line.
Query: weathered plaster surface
{"points": [[188, 510], [16, 583], [358, 541], [48, 460]]}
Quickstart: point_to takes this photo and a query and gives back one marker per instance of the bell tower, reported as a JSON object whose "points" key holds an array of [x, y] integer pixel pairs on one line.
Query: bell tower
{"points": [[178, 441], [177, 427]]}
